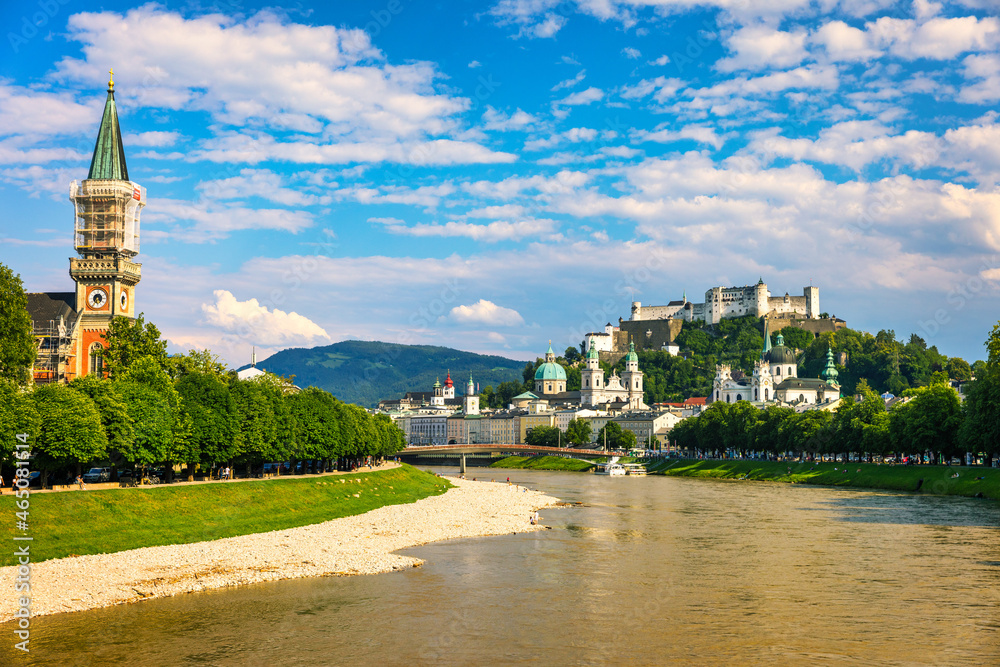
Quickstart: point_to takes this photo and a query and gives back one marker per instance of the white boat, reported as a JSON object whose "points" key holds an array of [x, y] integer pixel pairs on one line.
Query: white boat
{"points": [[612, 467], [634, 469]]}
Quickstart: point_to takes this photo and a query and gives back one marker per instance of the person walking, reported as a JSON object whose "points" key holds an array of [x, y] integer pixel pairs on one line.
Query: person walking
{"points": [[79, 481], [1, 485]]}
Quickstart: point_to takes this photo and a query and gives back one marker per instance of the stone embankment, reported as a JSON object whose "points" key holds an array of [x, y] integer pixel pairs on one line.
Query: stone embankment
{"points": [[362, 544]]}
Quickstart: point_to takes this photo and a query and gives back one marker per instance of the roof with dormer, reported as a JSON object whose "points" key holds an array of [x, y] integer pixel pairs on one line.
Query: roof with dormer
{"points": [[109, 152]]}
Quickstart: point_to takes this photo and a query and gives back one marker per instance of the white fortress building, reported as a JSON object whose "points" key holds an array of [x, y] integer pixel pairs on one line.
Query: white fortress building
{"points": [[723, 302]]}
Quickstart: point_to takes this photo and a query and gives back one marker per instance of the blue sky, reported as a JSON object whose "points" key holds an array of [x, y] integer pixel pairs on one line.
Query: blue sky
{"points": [[492, 176]]}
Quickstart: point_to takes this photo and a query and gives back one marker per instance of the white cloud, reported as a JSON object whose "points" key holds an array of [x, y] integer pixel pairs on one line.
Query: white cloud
{"points": [[155, 139], [700, 133], [844, 42], [985, 71], [583, 97], [573, 135], [661, 88], [569, 83], [255, 149], [259, 325], [660, 62], [486, 312], [501, 230], [261, 183], [211, 220], [631, 53], [758, 47], [474, 64], [498, 120]]}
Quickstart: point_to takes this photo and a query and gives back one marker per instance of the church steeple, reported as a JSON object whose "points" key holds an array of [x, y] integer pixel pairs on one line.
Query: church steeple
{"points": [[767, 341], [109, 152]]}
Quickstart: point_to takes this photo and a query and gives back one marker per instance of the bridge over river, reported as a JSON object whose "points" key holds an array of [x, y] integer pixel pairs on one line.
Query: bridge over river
{"points": [[460, 450]]}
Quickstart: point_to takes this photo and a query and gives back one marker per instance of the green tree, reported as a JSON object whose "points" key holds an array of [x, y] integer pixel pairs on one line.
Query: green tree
{"points": [[128, 340], [178, 446], [118, 423], [153, 422], [578, 431], [17, 416], [70, 433], [930, 422], [195, 361], [215, 435], [258, 425], [543, 436], [17, 343], [318, 427]]}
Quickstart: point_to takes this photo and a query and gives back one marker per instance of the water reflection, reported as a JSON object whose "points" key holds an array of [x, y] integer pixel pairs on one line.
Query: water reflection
{"points": [[651, 571]]}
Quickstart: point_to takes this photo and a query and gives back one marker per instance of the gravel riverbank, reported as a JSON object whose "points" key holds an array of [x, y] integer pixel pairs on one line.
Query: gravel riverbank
{"points": [[362, 544]]}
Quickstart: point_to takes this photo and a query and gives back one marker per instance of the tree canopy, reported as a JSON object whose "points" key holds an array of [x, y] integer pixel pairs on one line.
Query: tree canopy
{"points": [[17, 342]]}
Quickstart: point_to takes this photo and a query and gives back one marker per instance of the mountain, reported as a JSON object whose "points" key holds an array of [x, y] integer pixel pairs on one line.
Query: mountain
{"points": [[364, 372]]}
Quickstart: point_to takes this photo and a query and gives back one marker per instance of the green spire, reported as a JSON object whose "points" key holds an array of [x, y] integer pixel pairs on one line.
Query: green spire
{"points": [[592, 352], [780, 339], [631, 356], [109, 153], [830, 372], [767, 340]]}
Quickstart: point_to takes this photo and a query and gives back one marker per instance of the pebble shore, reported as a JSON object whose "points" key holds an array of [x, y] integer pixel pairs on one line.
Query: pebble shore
{"points": [[362, 544]]}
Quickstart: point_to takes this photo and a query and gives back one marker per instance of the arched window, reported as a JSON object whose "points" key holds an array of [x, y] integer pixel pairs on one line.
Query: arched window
{"points": [[765, 395], [727, 399], [802, 398], [778, 369], [96, 360], [739, 397], [789, 370]]}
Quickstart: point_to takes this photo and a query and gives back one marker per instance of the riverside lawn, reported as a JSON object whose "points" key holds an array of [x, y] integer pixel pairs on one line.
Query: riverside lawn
{"points": [[81, 523], [545, 463], [937, 480]]}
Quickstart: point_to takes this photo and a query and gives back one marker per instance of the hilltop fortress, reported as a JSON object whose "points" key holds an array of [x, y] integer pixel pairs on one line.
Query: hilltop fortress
{"points": [[656, 327]]}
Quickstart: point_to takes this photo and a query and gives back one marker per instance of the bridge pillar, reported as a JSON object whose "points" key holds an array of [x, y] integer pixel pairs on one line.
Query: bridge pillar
{"points": [[461, 467]]}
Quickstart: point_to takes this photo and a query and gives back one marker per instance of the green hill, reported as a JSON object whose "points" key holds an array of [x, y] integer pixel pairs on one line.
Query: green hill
{"points": [[363, 372]]}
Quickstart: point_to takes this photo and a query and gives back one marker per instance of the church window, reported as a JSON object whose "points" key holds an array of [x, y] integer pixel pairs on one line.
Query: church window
{"points": [[779, 370], [802, 398], [96, 360], [739, 397], [727, 399], [765, 394], [789, 370]]}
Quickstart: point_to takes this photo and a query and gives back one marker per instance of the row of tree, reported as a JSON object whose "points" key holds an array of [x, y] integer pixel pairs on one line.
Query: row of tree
{"points": [[933, 423], [155, 409]]}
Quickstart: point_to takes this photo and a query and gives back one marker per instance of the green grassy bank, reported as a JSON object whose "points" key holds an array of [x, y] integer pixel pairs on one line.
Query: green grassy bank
{"points": [[91, 522], [544, 463], [937, 480]]}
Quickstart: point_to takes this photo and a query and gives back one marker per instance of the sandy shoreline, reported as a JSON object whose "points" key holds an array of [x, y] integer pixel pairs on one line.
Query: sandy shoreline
{"points": [[362, 544]]}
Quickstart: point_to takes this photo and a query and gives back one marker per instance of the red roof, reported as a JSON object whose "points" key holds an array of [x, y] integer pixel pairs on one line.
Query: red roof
{"points": [[447, 381], [695, 401]]}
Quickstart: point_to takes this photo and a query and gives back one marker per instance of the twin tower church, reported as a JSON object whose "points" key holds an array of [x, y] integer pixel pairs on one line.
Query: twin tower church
{"points": [[68, 326]]}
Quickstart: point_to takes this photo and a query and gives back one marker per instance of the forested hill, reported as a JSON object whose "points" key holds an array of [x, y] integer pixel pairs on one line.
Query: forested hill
{"points": [[363, 372], [885, 363]]}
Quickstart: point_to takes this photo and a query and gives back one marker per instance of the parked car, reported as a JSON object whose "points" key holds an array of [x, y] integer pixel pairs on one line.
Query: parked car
{"points": [[97, 475]]}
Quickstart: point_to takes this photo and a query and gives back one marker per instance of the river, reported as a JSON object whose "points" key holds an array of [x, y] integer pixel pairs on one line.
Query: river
{"points": [[649, 570]]}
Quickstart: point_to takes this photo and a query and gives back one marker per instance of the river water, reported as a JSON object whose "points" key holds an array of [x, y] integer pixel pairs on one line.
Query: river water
{"points": [[649, 570]]}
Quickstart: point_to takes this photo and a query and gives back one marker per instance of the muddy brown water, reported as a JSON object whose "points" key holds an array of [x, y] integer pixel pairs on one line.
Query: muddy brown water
{"points": [[647, 570]]}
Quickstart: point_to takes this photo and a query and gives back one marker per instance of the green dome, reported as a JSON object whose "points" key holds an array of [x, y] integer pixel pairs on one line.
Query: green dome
{"points": [[631, 356], [550, 371]]}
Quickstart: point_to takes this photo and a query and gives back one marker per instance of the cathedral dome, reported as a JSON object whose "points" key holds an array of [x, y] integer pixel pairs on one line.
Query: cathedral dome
{"points": [[550, 371]]}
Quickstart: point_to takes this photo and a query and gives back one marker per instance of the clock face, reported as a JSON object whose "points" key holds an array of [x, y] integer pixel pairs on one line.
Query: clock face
{"points": [[124, 300], [98, 298]]}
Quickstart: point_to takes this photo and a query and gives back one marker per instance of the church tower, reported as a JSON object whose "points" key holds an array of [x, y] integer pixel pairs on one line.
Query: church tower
{"points": [[470, 404], [592, 378], [106, 232], [632, 377]]}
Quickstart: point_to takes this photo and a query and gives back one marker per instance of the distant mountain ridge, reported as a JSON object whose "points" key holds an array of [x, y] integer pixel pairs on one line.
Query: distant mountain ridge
{"points": [[364, 372]]}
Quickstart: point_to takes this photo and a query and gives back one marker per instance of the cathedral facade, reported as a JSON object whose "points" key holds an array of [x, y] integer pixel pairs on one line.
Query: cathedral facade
{"points": [[69, 326]]}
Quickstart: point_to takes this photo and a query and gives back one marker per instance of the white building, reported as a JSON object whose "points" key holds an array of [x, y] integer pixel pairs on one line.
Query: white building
{"points": [[627, 388]]}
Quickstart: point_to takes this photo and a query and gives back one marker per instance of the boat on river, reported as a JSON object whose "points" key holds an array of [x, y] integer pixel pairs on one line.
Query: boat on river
{"points": [[612, 468], [635, 469]]}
